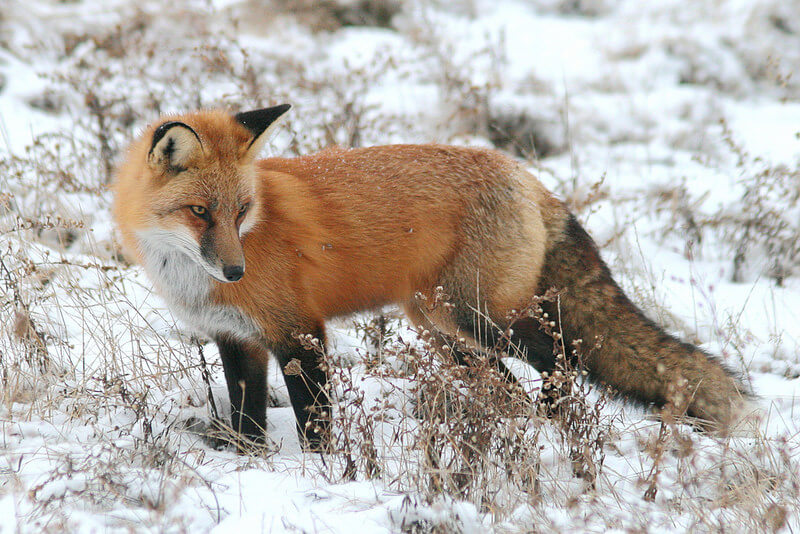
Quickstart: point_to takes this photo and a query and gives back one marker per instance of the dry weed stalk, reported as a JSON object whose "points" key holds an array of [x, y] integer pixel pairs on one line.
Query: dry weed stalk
{"points": [[565, 394], [474, 435], [760, 229]]}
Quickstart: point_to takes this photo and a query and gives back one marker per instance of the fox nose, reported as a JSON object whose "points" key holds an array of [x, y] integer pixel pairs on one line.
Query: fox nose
{"points": [[233, 273]]}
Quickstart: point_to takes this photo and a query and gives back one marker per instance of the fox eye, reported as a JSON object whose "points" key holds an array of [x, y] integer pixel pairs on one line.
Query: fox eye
{"points": [[200, 211], [243, 209]]}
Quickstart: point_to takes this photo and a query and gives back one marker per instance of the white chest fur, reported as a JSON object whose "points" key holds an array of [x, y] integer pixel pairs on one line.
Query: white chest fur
{"points": [[186, 287]]}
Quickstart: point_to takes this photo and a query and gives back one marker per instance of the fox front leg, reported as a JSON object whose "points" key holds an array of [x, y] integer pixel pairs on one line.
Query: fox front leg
{"points": [[301, 359], [245, 369]]}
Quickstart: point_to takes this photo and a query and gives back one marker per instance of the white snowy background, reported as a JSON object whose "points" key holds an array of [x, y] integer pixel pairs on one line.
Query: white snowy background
{"points": [[670, 127]]}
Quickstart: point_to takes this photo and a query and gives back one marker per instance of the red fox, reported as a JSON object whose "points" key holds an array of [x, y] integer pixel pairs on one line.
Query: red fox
{"points": [[254, 252]]}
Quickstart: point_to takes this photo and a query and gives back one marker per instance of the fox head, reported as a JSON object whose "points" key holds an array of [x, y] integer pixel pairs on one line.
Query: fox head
{"points": [[189, 185]]}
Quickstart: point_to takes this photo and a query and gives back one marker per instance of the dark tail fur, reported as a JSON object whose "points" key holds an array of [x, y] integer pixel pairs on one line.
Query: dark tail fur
{"points": [[633, 355]]}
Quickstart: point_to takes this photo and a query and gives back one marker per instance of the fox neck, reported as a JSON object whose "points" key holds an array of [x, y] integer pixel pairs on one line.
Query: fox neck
{"points": [[186, 287], [179, 277]]}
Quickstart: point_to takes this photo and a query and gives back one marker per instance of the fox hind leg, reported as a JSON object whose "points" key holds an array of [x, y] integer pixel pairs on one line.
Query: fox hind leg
{"points": [[440, 324]]}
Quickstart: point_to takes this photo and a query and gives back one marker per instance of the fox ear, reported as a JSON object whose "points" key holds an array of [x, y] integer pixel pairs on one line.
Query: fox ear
{"points": [[174, 145], [261, 123]]}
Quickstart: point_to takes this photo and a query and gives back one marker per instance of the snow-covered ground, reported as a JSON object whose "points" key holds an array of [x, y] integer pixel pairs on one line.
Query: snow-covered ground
{"points": [[670, 127]]}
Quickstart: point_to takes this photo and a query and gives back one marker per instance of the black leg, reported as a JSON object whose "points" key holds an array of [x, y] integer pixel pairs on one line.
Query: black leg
{"points": [[526, 336], [541, 352], [305, 381], [464, 357], [537, 346], [246, 374]]}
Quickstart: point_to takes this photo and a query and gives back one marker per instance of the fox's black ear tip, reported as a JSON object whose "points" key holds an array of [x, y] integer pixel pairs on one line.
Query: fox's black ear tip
{"points": [[259, 120], [264, 113]]}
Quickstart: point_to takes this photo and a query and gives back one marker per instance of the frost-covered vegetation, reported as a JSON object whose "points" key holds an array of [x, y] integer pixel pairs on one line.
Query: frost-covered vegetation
{"points": [[671, 129]]}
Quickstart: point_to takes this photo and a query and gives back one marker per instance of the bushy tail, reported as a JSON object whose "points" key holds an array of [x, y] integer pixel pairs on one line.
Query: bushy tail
{"points": [[623, 348]]}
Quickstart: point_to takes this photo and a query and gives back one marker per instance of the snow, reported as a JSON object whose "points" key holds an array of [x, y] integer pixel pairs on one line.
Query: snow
{"points": [[662, 115], [781, 143]]}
